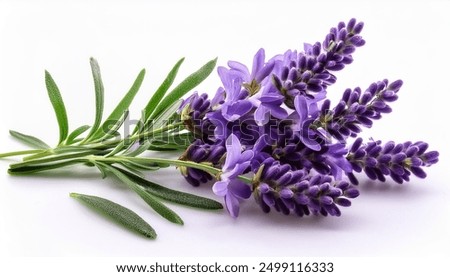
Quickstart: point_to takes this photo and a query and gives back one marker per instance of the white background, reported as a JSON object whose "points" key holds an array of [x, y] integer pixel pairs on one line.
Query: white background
{"points": [[37, 218]]}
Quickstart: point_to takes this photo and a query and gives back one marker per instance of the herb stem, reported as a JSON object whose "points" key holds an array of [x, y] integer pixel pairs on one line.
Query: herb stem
{"points": [[156, 131], [19, 153], [211, 170], [146, 135], [56, 158]]}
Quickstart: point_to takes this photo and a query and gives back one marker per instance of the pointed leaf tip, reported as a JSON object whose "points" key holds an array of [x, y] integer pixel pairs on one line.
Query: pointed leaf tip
{"points": [[157, 97], [185, 86], [58, 106], [117, 213], [29, 140]]}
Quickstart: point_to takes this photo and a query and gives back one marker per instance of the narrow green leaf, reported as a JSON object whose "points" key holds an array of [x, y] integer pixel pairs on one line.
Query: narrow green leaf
{"points": [[76, 133], [31, 169], [164, 118], [174, 196], [160, 208], [101, 169], [20, 153], [29, 140], [122, 107], [112, 131], [132, 168], [119, 147], [153, 202], [184, 87], [118, 213], [160, 92], [68, 149], [62, 157], [58, 106], [165, 148], [142, 166], [176, 140], [99, 97], [143, 146], [39, 155]]}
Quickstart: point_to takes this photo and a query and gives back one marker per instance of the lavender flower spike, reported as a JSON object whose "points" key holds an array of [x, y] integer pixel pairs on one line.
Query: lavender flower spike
{"points": [[200, 152], [229, 186], [357, 108], [295, 191], [280, 129], [394, 160]]}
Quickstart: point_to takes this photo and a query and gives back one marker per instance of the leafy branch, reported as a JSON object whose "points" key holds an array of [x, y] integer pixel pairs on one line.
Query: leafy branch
{"points": [[113, 155]]}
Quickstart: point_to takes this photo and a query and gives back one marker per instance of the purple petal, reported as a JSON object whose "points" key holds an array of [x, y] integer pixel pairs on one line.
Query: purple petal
{"points": [[278, 112], [220, 130], [231, 81], [220, 188], [272, 97], [233, 146], [232, 204], [246, 156], [236, 110], [239, 189], [258, 63], [261, 115], [305, 136], [187, 101], [224, 76], [307, 47], [241, 69], [218, 97], [286, 193], [261, 143], [418, 172], [264, 72], [301, 106], [238, 169]]}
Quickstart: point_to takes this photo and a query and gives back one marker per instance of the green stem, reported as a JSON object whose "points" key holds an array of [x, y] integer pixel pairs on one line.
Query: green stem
{"points": [[156, 131], [54, 159], [87, 149], [26, 170], [39, 155], [113, 143], [209, 169], [19, 153]]}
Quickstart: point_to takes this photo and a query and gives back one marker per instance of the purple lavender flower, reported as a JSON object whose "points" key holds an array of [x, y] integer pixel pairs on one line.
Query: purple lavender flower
{"points": [[230, 187], [236, 105], [277, 186], [356, 109], [329, 160], [308, 73], [341, 42], [278, 126], [193, 112], [245, 90], [303, 122], [201, 152], [253, 81], [395, 160]]}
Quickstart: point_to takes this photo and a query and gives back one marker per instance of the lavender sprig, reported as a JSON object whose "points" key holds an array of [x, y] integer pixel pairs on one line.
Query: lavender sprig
{"points": [[201, 153], [277, 186], [269, 131], [395, 160], [308, 73], [290, 129], [357, 108]]}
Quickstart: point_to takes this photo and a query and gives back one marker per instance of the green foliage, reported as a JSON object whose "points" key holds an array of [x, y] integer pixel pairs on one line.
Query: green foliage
{"points": [[117, 213], [106, 149]]}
